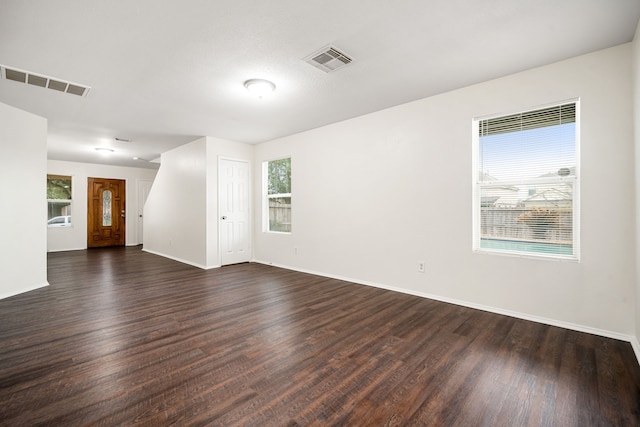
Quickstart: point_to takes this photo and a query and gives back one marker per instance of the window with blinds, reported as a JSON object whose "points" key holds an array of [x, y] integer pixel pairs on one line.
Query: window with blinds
{"points": [[526, 182]]}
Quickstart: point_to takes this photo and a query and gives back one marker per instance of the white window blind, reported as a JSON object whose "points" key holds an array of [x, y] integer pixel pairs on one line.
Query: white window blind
{"points": [[526, 182]]}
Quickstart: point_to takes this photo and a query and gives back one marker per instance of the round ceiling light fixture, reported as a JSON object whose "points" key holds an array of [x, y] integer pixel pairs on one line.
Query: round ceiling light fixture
{"points": [[259, 87], [104, 151]]}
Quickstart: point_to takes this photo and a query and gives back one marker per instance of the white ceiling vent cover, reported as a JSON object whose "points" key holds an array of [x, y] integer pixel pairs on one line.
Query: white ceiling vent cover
{"points": [[21, 76], [328, 59]]}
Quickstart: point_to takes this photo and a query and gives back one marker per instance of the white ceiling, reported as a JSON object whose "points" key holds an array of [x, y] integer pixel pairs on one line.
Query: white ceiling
{"points": [[163, 73]]}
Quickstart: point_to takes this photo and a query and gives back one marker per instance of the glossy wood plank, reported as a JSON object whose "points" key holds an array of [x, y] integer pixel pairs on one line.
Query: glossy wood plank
{"points": [[122, 337]]}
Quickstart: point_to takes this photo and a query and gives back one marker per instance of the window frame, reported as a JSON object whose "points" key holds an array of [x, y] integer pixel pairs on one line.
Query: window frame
{"points": [[266, 225], [478, 185]]}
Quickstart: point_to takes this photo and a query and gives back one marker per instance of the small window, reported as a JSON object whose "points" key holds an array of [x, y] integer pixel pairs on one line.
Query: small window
{"points": [[277, 200], [59, 201], [526, 183]]}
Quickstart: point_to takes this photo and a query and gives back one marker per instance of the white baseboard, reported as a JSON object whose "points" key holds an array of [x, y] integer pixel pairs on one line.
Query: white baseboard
{"points": [[21, 291], [552, 322], [84, 248], [67, 249], [636, 347], [184, 261]]}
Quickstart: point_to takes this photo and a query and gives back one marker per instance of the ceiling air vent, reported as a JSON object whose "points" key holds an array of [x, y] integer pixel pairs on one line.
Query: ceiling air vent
{"points": [[328, 59], [59, 85]]}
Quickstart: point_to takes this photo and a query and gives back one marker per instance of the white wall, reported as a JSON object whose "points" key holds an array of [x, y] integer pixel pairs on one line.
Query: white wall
{"points": [[175, 213], [75, 237], [636, 116], [181, 214], [23, 173], [374, 195]]}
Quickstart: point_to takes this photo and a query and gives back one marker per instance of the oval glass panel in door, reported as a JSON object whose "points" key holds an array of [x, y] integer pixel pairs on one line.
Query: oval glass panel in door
{"points": [[106, 208]]}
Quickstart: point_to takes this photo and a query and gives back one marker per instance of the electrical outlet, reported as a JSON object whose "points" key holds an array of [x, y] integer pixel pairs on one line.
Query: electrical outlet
{"points": [[420, 266], [295, 250]]}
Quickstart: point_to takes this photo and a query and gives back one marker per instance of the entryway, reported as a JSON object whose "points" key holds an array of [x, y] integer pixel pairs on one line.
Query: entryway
{"points": [[106, 212]]}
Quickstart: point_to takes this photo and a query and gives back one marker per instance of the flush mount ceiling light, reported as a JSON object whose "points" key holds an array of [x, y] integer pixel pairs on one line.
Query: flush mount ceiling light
{"points": [[104, 151], [259, 87]]}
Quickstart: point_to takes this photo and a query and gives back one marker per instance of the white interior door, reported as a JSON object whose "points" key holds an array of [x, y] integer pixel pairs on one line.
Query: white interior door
{"points": [[235, 236], [144, 186]]}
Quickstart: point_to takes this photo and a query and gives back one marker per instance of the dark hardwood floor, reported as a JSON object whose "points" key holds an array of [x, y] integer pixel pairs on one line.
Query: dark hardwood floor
{"points": [[122, 337]]}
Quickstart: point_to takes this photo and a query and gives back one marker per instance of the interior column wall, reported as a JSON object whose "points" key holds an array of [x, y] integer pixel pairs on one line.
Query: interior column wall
{"points": [[636, 117], [23, 173], [175, 215]]}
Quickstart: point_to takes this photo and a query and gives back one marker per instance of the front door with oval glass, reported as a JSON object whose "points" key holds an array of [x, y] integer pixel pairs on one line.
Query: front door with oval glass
{"points": [[106, 212]]}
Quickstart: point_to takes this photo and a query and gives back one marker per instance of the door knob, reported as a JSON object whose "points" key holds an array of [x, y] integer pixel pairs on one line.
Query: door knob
{"points": [[224, 217]]}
